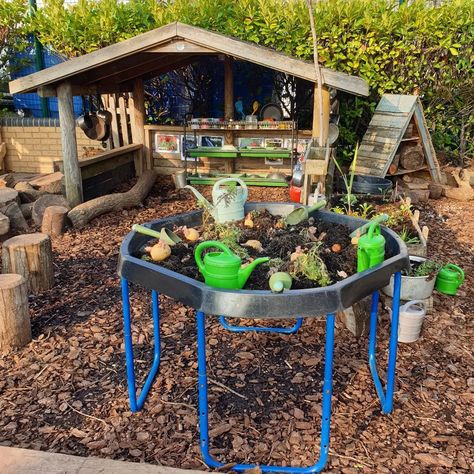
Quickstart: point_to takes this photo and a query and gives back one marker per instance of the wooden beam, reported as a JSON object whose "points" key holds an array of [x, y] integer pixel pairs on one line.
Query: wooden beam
{"points": [[326, 107], [198, 37], [181, 47], [228, 88], [72, 172], [138, 119], [87, 61]]}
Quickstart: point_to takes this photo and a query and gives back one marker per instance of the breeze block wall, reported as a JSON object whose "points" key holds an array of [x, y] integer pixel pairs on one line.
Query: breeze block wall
{"points": [[33, 145]]}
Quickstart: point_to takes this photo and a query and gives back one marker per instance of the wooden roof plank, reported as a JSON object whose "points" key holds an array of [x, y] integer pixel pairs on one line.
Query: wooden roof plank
{"points": [[105, 55], [201, 39]]}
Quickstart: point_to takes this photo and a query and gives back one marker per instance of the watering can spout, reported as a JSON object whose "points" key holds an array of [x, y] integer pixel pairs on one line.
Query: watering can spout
{"points": [[244, 273], [202, 199]]}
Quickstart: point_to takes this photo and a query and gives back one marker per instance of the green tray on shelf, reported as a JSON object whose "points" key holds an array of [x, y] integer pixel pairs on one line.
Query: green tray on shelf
{"points": [[250, 181]]}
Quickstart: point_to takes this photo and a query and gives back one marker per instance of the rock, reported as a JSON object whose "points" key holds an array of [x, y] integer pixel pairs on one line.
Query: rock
{"points": [[8, 196], [26, 209], [17, 220], [46, 201], [26, 192], [4, 224], [50, 183]]}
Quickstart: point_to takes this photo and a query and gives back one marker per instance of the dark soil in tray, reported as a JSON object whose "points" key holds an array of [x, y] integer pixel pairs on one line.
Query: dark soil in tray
{"points": [[335, 249]]}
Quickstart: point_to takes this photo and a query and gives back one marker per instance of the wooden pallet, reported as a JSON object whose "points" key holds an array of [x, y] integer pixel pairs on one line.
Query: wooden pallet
{"points": [[398, 121]]}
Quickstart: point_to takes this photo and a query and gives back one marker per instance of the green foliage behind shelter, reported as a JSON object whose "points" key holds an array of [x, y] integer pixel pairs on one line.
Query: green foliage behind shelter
{"points": [[414, 48]]}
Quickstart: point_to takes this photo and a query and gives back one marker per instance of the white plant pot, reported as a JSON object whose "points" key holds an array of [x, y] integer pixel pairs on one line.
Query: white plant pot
{"points": [[413, 288]]}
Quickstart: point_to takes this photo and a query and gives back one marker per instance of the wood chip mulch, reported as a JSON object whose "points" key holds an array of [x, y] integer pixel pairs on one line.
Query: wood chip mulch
{"points": [[66, 391]]}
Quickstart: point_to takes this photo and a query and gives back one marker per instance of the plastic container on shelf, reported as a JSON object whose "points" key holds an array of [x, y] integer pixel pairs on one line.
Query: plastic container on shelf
{"points": [[251, 122]]}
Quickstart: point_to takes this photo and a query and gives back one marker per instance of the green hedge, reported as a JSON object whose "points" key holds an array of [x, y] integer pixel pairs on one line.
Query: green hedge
{"points": [[414, 48]]}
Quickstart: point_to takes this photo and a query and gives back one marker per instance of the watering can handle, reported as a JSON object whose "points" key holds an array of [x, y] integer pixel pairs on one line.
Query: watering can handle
{"points": [[457, 269], [228, 180], [412, 303], [209, 244], [374, 228], [146, 231]]}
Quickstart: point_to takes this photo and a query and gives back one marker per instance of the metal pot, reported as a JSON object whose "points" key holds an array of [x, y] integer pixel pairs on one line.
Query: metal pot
{"points": [[298, 176]]}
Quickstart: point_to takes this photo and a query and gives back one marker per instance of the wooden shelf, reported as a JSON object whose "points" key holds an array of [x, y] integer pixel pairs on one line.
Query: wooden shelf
{"points": [[410, 139]]}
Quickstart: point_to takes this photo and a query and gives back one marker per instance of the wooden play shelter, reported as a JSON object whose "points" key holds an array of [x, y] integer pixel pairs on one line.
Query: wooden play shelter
{"points": [[119, 71]]}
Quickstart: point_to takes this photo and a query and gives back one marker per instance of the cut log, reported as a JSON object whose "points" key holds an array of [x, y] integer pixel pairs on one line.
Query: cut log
{"points": [[26, 209], [418, 195], [27, 193], [416, 185], [15, 325], [411, 157], [8, 196], [436, 190], [85, 212], [8, 179], [51, 183], [4, 224], [54, 220], [393, 168], [17, 220], [46, 201], [31, 256]]}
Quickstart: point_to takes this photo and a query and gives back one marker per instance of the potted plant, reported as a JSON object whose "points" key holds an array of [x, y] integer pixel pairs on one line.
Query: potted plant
{"points": [[418, 283]]}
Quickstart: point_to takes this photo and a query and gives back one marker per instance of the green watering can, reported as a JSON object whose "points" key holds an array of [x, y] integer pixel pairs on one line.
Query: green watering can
{"points": [[370, 248], [449, 279], [222, 269]]}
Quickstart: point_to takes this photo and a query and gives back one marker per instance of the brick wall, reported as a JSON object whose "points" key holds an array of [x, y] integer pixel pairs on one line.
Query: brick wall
{"points": [[35, 148]]}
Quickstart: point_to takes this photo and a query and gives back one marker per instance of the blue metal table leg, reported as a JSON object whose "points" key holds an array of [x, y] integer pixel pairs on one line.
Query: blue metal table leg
{"points": [[386, 398], [290, 330], [326, 411], [137, 404]]}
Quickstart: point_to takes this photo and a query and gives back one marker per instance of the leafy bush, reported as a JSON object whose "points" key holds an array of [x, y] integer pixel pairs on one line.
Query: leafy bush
{"points": [[414, 48]]}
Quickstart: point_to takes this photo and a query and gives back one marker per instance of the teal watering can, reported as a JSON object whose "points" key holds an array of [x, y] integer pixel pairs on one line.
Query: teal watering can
{"points": [[227, 204]]}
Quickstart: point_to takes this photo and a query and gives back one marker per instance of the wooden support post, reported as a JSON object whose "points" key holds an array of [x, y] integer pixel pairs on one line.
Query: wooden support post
{"points": [[31, 256], [138, 129], [72, 172], [15, 326], [317, 116], [228, 88]]}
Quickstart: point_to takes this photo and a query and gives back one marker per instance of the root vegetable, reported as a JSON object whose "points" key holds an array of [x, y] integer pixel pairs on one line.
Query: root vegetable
{"points": [[191, 234], [255, 244], [248, 222], [160, 251], [336, 248]]}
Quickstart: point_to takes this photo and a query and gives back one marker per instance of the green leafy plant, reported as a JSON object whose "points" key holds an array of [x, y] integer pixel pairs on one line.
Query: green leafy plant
{"points": [[338, 210], [426, 268], [349, 199], [311, 266], [365, 210], [407, 238]]}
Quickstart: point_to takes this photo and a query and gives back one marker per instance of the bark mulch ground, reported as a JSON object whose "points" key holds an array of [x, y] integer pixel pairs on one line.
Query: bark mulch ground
{"points": [[66, 391]]}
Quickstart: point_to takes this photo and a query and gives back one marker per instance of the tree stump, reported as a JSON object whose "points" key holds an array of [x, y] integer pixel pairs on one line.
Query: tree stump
{"points": [[31, 256], [46, 201], [15, 326], [54, 220]]}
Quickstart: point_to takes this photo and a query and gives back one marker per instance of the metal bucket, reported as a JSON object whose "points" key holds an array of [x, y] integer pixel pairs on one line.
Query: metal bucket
{"points": [[179, 179]]}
